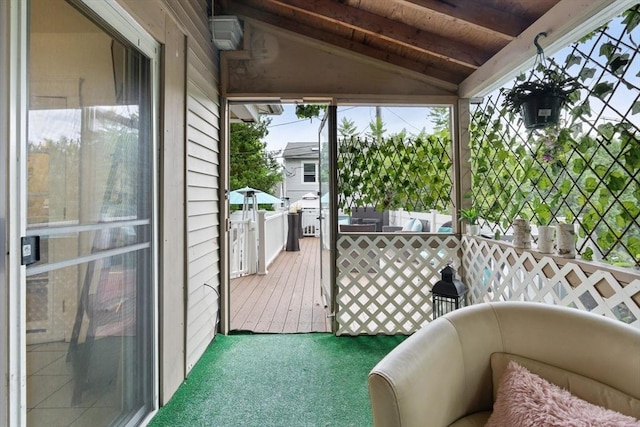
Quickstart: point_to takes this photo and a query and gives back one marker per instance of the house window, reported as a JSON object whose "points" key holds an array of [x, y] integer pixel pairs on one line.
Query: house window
{"points": [[309, 172]]}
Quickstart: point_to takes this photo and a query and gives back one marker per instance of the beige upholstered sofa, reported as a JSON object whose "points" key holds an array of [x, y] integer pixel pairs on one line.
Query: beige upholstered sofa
{"points": [[446, 374]]}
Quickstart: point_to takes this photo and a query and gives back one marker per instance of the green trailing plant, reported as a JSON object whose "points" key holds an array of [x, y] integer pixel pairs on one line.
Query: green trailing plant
{"points": [[542, 213], [395, 172], [553, 83]]}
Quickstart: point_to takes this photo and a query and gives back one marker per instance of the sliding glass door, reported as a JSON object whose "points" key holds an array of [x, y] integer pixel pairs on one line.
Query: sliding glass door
{"points": [[89, 200]]}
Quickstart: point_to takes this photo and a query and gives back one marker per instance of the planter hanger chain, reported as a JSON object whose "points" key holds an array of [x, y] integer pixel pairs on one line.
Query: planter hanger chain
{"points": [[540, 53]]}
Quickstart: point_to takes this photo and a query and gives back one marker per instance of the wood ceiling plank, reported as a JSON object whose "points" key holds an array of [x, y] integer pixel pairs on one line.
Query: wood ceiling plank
{"points": [[500, 22], [381, 27], [438, 69]]}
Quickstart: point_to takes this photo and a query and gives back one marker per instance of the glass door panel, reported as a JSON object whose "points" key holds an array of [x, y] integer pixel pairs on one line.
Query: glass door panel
{"points": [[89, 305]]}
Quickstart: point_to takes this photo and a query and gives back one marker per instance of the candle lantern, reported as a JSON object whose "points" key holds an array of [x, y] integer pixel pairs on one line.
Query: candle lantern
{"points": [[448, 293]]}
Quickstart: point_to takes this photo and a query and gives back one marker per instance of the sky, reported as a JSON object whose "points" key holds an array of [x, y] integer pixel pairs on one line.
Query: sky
{"points": [[287, 127]]}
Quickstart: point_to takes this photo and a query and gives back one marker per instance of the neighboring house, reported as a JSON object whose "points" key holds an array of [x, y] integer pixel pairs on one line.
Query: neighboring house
{"points": [[301, 169]]}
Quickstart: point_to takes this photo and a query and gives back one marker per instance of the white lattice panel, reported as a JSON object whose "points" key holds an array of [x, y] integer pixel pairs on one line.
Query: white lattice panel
{"points": [[384, 280], [495, 272]]}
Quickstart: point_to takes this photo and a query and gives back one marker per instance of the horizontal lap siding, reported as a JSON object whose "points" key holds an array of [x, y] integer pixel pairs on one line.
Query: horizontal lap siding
{"points": [[203, 180]]}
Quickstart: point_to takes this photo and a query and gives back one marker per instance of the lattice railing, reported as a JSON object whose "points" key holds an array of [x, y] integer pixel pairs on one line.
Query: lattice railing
{"points": [[496, 271], [384, 280]]}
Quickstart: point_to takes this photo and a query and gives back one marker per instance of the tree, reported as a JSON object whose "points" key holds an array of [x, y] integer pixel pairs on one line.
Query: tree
{"points": [[251, 165], [440, 117], [347, 128], [376, 129]]}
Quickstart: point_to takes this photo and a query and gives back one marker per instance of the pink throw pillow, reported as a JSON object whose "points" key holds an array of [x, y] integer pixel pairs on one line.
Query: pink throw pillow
{"points": [[527, 400]]}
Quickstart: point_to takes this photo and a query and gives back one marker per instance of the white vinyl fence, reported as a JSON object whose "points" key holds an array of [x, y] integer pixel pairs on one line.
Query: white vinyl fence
{"points": [[241, 239], [310, 222], [272, 237], [255, 245]]}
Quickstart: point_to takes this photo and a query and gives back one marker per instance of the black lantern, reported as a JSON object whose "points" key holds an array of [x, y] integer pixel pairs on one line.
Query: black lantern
{"points": [[448, 293]]}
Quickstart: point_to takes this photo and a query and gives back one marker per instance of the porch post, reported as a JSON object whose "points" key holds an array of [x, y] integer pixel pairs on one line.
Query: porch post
{"points": [[461, 156]]}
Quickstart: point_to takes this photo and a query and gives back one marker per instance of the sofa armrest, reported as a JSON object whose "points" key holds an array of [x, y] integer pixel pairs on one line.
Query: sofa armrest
{"points": [[421, 382]]}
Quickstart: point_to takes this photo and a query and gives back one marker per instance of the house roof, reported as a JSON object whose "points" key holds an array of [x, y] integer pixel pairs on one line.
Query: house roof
{"points": [[465, 43], [301, 150]]}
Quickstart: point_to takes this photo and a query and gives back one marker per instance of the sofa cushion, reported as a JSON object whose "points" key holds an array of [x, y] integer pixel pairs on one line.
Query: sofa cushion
{"points": [[584, 388], [413, 225], [527, 400], [478, 419]]}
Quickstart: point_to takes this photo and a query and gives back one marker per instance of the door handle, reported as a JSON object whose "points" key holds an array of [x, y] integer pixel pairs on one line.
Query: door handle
{"points": [[30, 248]]}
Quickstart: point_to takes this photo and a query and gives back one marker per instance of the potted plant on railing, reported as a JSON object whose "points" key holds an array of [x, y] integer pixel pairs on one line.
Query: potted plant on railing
{"points": [[540, 101], [471, 216]]}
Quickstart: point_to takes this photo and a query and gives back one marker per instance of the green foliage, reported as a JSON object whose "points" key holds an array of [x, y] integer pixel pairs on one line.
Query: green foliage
{"points": [[554, 82], [347, 128], [470, 215], [310, 111], [376, 129], [585, 170], [542, 212], [250, 164], [395, 172], [440, 117]]}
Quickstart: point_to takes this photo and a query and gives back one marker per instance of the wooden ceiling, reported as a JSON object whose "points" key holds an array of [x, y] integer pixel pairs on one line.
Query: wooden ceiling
{"points": [[447, 40]]}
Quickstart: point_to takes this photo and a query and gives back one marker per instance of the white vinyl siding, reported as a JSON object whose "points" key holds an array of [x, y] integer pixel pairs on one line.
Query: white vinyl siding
{"points": [[203, 117], [202, 180], [295, 185]]}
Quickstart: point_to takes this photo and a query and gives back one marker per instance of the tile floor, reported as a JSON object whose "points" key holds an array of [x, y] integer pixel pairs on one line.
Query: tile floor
{"points": [[50, 388]]}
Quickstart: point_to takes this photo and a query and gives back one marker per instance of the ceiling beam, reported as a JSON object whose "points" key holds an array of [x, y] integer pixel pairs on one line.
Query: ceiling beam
{"points": [[436, 72], [385, 29], [493, 21], [564, 23]]}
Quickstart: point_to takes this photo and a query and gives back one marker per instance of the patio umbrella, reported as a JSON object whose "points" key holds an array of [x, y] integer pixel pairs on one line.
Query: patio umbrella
{"points": [[247, 195], [237, 197]]}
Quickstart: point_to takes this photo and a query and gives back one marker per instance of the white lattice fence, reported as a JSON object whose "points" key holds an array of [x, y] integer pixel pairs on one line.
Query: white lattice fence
{"points": [[384, 280], [498, 272]]}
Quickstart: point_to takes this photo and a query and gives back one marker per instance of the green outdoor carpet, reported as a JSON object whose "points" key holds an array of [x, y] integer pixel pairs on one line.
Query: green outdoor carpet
{"points": [[279, 380]]}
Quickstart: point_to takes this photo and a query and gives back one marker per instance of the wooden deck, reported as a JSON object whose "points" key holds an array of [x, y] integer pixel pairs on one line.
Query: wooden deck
{"points": [[287, 299]]}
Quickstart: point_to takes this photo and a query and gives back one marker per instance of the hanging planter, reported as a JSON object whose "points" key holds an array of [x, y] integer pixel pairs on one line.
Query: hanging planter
{"points": [[541, 110], [540, 101]]}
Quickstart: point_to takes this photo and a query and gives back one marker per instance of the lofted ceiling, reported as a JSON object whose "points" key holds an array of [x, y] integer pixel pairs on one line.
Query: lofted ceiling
{"points": [[447, 40], [470, 45]]}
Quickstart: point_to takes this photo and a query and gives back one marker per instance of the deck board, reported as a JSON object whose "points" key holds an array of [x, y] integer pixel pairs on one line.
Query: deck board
{"points": [[285, 300]]}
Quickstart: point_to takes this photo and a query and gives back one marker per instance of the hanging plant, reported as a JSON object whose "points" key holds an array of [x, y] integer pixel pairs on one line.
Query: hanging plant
{"points": [[540, 101]]}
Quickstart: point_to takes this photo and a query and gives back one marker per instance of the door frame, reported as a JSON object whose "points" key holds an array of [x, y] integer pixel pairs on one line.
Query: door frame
{"points": [[119, 22], [4, 137], [225, 282], [15, 279], [330, 121]]}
